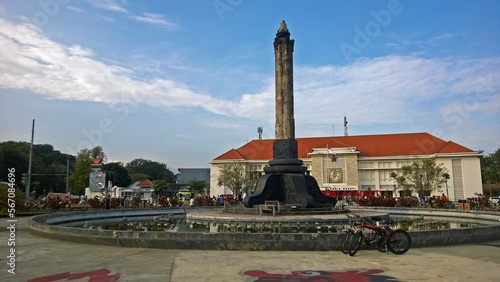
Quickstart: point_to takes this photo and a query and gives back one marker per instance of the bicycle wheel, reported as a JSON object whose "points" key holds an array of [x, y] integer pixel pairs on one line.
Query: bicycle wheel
{"points": [[382, 242], [355, 243], [346, 242], [399, 242], [382, 248], [375, 238]]}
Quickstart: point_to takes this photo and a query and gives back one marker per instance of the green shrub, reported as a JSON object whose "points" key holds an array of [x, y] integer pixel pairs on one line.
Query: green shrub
{"points": [[203, 200], [388, 202], [480, 202], [54, 203], [407, 202], [114, 203], [96, 203], [134, 203], [163, 201]]}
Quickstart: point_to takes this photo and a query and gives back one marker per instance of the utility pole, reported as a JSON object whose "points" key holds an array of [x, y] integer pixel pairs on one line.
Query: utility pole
{"points": [[28, 195], [67, 174]]}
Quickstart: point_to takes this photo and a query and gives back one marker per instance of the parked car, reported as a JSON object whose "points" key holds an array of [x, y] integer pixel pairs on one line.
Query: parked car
{"points": [[65, 198]]}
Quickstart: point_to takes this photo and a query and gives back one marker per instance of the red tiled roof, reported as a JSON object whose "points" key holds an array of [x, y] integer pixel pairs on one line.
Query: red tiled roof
{"points": [[491, 186], [232, 155], [145, 183], [452, 147], [368, 145]]}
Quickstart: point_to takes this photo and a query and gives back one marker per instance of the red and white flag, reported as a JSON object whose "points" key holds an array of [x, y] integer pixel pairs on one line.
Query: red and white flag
{"points": [[329, 150]]}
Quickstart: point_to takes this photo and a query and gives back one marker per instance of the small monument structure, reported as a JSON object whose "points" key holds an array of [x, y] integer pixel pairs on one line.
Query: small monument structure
{"points": [[285, 178]]}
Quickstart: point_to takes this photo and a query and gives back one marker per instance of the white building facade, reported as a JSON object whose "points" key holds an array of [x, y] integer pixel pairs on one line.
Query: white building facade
{"points": [[353, 165]]}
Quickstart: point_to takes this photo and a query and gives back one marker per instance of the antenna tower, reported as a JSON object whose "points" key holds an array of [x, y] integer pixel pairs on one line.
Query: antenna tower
{"points": [[260, 130], [345, 126]]}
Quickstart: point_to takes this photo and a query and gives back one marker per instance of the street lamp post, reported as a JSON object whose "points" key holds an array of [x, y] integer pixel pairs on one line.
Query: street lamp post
{"points": [[446, 177]]}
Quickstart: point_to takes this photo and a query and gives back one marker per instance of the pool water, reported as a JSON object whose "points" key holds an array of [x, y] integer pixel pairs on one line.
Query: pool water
{"points": [[181, 225]]}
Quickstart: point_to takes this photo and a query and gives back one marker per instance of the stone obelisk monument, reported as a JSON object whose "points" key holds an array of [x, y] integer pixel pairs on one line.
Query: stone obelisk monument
{"points": [[283, 53], [284, 179]]}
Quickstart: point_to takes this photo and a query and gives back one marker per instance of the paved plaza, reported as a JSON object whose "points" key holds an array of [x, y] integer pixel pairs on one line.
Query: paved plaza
{"points": [[42, 259]]}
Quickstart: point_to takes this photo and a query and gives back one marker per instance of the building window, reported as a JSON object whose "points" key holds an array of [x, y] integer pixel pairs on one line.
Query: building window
{"points": [[458, 181], [367, 175], [385, 175], [366, 165], [400, 164]]}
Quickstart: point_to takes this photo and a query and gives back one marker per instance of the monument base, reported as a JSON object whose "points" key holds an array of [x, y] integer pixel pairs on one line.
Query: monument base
{"points": [[285, 181]]}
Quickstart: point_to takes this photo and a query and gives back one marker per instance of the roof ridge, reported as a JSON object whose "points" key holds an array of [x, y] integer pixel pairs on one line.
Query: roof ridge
{"points": [[444, 146], [450, 144], [336, 142], [398, 144], [239, 154]]}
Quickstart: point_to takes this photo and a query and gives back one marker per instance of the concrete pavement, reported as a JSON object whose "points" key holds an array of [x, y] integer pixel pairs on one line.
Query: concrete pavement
{"points": [[41, 259]]}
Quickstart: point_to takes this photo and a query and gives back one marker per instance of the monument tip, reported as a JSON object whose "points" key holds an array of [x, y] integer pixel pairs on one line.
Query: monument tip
{"points": [[283, 27]]}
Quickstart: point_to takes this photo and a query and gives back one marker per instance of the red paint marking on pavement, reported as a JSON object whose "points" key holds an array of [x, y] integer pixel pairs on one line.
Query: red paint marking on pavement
{"points": [[100, 275]]}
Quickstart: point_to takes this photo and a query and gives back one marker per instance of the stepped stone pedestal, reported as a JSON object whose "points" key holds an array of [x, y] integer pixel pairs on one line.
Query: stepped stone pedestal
{"points": [[285, 181], [285, 178]]}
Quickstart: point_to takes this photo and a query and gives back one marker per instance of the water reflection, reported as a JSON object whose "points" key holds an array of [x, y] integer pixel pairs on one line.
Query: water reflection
{"points": [[181, 225], [422, 224]]}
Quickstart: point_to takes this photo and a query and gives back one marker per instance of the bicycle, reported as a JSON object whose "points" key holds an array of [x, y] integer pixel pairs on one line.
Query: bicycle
{"points": [[397, 241], [349, 234]]}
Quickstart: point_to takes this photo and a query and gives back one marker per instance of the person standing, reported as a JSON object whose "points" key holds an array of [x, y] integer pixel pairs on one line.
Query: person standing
{"points": [[107, 202]]}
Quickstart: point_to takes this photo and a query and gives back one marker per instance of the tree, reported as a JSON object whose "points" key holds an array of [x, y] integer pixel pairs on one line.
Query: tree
{"points": [[197, 186], [159, 185], [79, 178], [399, 180], [422, 176], [236, 178], [14, 155], [139, 176], [4, 192], [153, 170], [46, 163], [117, 174], [51, 165], [490, 168], [446, 177]]}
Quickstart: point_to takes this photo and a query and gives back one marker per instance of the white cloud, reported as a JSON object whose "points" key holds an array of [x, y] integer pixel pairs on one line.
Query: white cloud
{"points": [[181, 135], [146, 17], [31, 61], [388, 90], [78, 10], [415, 40], [220, 124], [108, 19], [155, 19], [110, 5], [443, 38]]}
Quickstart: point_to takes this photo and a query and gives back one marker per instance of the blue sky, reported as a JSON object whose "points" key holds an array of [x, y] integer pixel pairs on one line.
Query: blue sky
{"points": [[182, 82]]}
